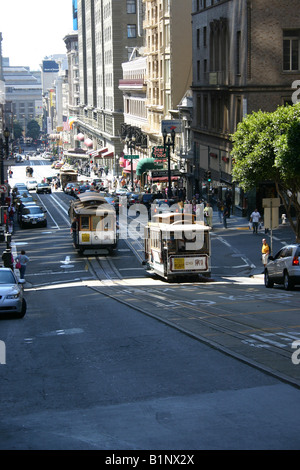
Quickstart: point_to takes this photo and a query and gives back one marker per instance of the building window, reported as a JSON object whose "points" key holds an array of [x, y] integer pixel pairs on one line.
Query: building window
{"points": [[198, 38], [131, 6], [238, 52], [131, 31], [291, 50]]}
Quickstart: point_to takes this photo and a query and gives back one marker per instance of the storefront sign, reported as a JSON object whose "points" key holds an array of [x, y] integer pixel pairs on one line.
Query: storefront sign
{"points": [[159, 153]]}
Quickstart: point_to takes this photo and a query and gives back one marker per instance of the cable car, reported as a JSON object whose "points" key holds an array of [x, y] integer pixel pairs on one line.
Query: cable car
{"points": [[95, 223], [177, 246]]}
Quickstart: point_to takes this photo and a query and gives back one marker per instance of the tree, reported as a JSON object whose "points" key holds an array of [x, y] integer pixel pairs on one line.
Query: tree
{"points": [[33, 129], [266, 147], [17, 130]]}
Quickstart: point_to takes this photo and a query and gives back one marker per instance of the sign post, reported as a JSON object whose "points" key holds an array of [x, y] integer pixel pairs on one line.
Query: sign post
{"points": [[131, 157], [271, 215]]}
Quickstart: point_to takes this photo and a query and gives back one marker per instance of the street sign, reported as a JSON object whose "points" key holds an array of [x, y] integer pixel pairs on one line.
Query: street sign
{"points": [[131, 157], [271, 202], [3, 188], [271, 217], [171, 125]]}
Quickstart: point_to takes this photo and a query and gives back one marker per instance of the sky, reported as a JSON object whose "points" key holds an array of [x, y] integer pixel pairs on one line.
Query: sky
{"points": [[33, 29]]}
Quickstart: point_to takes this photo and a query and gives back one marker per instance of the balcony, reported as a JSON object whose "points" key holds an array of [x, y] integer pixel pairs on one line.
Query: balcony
{"points": [[132, 84]]}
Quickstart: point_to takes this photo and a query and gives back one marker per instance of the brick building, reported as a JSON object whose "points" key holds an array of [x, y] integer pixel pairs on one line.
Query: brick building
{"points": [[246, 55]]}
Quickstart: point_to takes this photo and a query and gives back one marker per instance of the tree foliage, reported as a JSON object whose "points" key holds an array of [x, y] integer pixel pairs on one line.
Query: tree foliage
{"points": [[266, 147], [17, 130], [33, 129]]}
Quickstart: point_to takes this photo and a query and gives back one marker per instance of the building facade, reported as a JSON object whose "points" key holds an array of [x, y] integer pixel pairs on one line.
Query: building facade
{"points": [[168, 49], [134, 91], [245, 58], [23, 93], [108, 32]]}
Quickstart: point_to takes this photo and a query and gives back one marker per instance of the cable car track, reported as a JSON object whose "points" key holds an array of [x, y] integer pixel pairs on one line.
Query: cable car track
{"points": [[209, 323], [215, 329]]}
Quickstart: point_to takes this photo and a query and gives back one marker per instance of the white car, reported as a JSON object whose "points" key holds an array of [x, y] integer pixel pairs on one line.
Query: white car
{"points": [[31, 184], [11, 294], [284, 267]]}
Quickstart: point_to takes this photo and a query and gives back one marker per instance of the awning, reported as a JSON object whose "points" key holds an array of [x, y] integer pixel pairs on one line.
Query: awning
{"points": [[165, 178], [147, 164], [107, 155], [76, 155], [127, 167], [94, 153]]}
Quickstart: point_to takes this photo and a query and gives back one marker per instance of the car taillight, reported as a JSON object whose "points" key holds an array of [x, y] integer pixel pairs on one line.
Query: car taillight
{"points": [[295, 261]]}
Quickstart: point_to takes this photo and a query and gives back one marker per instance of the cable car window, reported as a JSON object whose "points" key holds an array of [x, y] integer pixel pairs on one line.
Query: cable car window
{"points": [[85, 223], [108, 223], [95, 222]]}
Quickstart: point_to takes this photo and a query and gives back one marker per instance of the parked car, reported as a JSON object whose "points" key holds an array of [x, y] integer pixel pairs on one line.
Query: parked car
{"points": [[21, 207], [43, 188], [19, 186], [20, 192], [31, 184], [11, 294], [284, 267], [33, 215]]}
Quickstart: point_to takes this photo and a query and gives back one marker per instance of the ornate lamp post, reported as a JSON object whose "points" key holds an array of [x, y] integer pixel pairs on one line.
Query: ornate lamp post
{"points": [[168, 143], [6, 136]]}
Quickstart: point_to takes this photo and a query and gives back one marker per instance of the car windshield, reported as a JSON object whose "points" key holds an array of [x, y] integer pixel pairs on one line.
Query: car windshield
{"points": [[32, 210], [7, 277]]}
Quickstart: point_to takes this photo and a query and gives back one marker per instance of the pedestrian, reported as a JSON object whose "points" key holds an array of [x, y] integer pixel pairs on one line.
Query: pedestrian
{"points": [[220, 207], [225, 216], [23, 260], [265, 251], [255, 218], [208, 212], [228, 201], [74, 230]]}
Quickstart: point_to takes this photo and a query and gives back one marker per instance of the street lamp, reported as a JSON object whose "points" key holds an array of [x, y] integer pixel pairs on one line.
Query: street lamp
{"points": [[6, 136], [2, 167], [130, 141], [168, 143], [2, 147]]}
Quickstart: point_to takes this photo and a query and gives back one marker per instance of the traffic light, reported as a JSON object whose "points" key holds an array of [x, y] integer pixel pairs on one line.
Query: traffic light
{"points": [[209, 176]]}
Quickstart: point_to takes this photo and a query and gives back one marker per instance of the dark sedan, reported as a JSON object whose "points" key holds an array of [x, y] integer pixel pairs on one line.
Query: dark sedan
{"points": [[72, 189], [83, 188]]}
